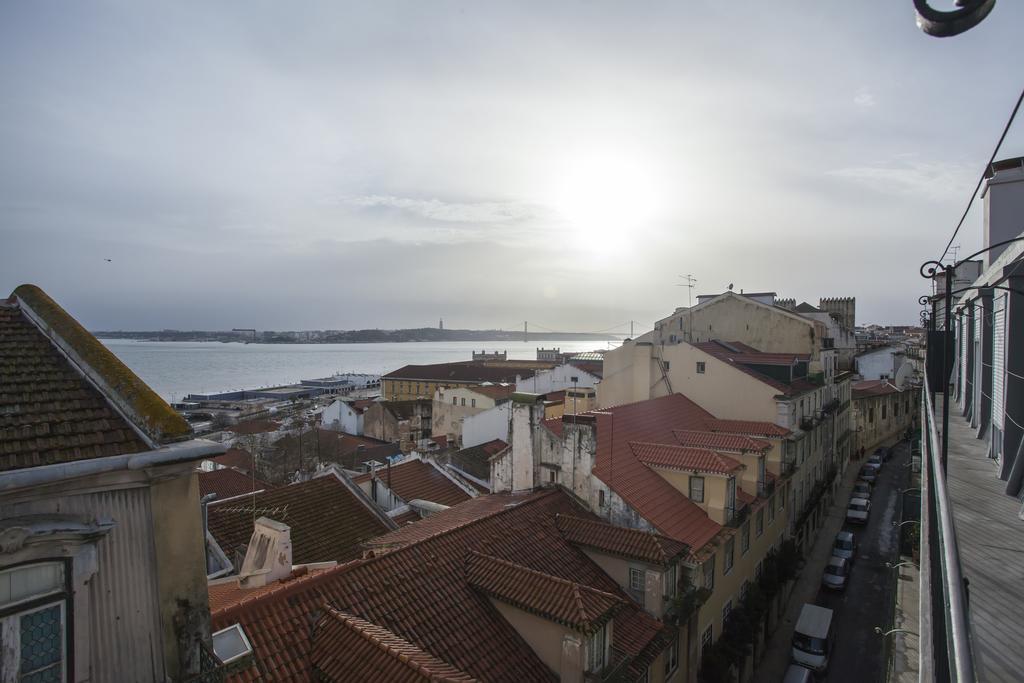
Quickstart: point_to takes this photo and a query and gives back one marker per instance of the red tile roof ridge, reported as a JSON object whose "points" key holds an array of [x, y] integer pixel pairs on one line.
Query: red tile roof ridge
{"points": [[697, 435], [648, 546], [431, 668], [529, 499], [684, 457], [584, 598], [282, 589], [747, 427]]}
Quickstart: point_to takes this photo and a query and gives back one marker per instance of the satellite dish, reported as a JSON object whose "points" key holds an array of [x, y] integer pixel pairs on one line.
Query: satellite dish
{"points": [[730, 286]]}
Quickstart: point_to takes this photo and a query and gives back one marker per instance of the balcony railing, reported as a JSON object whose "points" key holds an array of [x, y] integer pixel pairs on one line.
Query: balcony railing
{"points": [[766, 487], [945, 624], [735, 517], [806, 423]]}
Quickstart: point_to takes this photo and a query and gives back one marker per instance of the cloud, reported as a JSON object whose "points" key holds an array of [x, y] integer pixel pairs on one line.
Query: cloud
{"points": [[932, 180], [450, 212], [864, 98]]}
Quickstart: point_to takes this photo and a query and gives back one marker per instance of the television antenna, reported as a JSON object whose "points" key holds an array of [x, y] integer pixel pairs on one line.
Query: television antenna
{"points": [[690, 282]]}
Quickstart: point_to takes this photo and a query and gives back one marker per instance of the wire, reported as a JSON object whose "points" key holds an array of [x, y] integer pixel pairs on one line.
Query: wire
{"points": [[984, 173]]}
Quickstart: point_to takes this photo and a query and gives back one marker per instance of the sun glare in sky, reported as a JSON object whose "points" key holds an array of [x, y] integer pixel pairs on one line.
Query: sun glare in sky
{"points": [[607, 197]]}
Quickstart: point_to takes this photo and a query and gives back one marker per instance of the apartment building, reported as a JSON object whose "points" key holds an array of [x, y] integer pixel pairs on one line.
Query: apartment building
{"points": [[514, 587], [883, 411], [667, 466], [412, 382], [453, 405], [102, 563]]}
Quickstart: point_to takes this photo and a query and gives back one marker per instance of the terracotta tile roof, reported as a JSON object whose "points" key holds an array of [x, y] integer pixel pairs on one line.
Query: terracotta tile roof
{"points": [[414, 479], [419, 593], [873, 387], [227, 483], [579, 607], [347, 648], [361, 405], [475, 460], [496, 391], [622, 541], [441, 440], [683, 458], [657, 501], [49, 413], [235, 458], [554, 425], [744, 497], [407, 517], [749, 427], [736, 443], [406, 410], [467, 372], [225, 593], [327, 520]]}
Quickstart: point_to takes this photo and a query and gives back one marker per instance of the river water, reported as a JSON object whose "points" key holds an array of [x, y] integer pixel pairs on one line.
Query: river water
{"points": [[174, 369]]}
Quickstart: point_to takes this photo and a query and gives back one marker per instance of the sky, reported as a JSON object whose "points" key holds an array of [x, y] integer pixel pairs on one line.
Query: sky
{"points": [[348, 165]]}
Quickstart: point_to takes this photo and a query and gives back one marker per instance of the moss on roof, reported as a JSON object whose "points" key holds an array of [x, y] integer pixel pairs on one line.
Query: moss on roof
{"points": [[143, 406]]}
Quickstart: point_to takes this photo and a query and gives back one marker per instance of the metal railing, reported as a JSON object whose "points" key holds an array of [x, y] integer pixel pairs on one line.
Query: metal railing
{"points": [[946, 651]]}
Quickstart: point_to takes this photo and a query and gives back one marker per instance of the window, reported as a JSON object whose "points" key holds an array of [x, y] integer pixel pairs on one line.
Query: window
{"points": [[697, 489], [709, 573], [472, 403], [871, 414], [636, 579], [600, 498], [758, 569], [596, 649], [726, 610], [771, 510], [706, 638], [463, 403], [665, 363], [551, 476], [760, 522], [700, 367], [455, 400], [895, 408], [672, 657], [231, 644], [883, 411], [744, 589], [727, 555], [745, 537], [671, 581], [34, 598]]}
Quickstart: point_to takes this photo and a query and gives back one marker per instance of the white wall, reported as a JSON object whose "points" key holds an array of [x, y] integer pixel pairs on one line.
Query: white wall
{"points": [[889, 361], [556, 379], [486, 426], [340, 416]]}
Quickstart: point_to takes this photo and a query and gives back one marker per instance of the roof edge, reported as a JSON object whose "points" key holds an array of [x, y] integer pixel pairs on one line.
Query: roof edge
{"points": [[136, 401]]}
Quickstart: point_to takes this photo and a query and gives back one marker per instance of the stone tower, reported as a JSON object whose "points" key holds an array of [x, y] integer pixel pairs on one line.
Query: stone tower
{"points": [[843, 309]]}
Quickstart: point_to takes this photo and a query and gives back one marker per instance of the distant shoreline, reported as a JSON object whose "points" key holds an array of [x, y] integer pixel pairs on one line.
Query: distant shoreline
{"points": [[351, 336]]}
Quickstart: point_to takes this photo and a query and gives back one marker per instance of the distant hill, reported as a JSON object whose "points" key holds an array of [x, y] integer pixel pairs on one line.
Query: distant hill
{"points": [[422, 334]]}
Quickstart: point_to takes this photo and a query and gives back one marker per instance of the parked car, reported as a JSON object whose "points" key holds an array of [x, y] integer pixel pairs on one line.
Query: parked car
{"points": [[813, 638], [862, 489], [874, 461], [845, 546], [836, 572], [868, 474], [858, 510]]}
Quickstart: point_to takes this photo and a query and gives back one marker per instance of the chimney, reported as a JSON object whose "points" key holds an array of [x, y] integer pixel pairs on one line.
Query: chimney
{"points": [[527, 412], [269, 556], [1004, 204]]}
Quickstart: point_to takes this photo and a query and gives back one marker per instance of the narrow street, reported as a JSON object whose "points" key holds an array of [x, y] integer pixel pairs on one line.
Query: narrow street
{"points": [[859, 654]]}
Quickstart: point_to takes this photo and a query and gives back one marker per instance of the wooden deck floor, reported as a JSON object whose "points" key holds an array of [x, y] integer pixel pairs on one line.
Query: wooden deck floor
{"points": [[991, 537]]}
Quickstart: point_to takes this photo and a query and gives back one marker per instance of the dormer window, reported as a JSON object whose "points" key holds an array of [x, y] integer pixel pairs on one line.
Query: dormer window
{"points": [[697, 489]]}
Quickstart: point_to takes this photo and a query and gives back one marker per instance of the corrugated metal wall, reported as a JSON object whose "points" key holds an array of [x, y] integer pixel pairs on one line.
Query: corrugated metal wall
{"points": [[127, 644]]}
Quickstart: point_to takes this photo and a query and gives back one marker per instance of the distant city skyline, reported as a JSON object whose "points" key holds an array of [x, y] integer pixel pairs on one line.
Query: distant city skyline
{"points": [[350, 166]]}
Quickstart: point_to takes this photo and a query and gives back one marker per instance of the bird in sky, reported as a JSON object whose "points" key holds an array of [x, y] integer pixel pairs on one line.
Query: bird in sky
{"points": [[108, 260]]}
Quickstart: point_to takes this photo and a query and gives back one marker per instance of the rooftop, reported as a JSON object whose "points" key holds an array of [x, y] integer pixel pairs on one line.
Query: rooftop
{"points": [[52, 410], [466, 371], [683, 458], [228, 483], [419, 593], [328, 520], [475, 460], [622, 541], [874, 387], [414, 479]]}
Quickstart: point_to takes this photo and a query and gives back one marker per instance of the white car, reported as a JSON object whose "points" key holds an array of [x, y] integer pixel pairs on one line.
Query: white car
{"points": [[858, 510]]}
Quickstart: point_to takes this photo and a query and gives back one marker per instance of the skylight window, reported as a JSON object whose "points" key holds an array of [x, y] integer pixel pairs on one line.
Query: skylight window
{"points": [[230, 644]]}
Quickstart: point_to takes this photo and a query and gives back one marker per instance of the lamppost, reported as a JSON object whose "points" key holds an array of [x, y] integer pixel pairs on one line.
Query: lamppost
{"points": [[886, 634], [905, 563]]}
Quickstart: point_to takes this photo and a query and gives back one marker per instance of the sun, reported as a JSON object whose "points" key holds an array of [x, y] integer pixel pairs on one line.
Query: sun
{"points": [[608, 198]]}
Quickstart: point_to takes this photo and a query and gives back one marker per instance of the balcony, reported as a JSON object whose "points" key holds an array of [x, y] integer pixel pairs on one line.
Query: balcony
{"points": [[735, 517], [970, 532], [766, 487], [807, 423]]}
